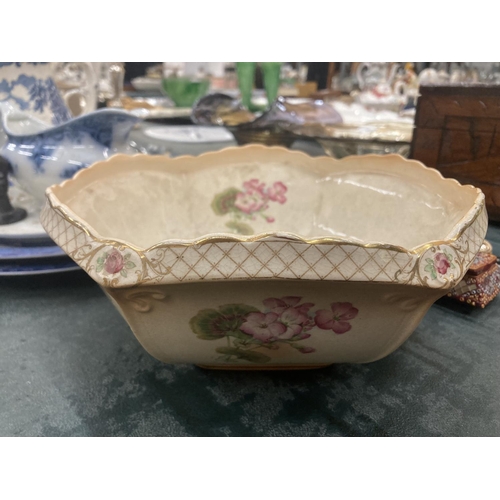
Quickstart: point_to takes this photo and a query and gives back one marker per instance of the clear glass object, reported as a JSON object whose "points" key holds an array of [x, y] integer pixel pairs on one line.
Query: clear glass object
{"points": [[116, 73]]}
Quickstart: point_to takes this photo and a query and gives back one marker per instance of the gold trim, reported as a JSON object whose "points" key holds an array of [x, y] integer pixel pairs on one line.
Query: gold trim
{"points": [[402, 275]]}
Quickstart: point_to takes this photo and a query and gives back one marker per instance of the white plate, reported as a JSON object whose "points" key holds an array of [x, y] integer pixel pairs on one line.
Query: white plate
{"points": [[28, 228], [145, 83], [189, 134]]}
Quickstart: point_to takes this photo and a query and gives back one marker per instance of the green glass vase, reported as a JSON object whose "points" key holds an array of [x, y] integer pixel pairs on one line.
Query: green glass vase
{"points": [[246, 78], [185, 91], [271, 75]]}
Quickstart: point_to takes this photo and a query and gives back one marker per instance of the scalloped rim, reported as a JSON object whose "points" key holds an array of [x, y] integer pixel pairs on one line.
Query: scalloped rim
{"points": [[452, 236]]}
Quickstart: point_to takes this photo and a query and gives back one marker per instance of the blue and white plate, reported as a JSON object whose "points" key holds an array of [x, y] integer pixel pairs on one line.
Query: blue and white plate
{"points": [[37, 267], [21, 252]]}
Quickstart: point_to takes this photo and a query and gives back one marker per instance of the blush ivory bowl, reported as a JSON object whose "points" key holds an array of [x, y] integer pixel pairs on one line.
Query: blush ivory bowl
{"points": [[261, 257]]}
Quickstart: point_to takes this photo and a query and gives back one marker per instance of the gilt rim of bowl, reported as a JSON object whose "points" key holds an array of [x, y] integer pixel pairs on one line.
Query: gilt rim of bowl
{"points": [[456, 241]]}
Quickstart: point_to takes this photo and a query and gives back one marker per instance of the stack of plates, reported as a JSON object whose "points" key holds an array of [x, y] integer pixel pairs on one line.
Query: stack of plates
{"points": [[23, 260], [25, 247]]}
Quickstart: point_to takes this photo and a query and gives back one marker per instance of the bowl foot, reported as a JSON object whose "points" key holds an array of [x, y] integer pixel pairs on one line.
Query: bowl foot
{"points": [[262, 367]]}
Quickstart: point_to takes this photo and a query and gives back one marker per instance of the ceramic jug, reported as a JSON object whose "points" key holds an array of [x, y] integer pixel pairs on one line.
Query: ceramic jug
{"points": [[30, 87], [41, 155]]}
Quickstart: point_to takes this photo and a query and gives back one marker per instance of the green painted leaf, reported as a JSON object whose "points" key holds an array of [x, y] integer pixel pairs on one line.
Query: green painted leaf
{"points": [[433, 274], [429, 268], [100, 260], [240, 342], [232, 351], [127, 256], [223, 203], [450, 259], [430, 261], [238, 334], [99, 267], [203, 336], [123, 273], [235, 315], [129, 264], [204, 324], [226, 321], [239, 227]]}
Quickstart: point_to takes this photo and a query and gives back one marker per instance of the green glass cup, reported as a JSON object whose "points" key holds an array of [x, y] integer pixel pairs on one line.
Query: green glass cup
{"points": [[184, 91]]}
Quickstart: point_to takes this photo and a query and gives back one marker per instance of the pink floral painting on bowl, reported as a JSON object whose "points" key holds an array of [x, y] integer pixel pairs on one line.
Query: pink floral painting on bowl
{"points": [[440, 264], [244, 205], [249, 332], [113, 262]]}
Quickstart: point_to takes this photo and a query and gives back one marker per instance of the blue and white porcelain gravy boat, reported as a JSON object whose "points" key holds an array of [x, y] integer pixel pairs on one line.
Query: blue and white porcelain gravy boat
{"points": [[41, 155]]}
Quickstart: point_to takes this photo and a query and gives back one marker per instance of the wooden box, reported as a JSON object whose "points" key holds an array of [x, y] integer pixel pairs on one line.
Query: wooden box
{"points": [[457, 131]]}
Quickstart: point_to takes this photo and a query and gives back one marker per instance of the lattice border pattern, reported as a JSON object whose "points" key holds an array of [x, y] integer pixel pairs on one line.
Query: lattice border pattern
{"points": [[268, 258]]}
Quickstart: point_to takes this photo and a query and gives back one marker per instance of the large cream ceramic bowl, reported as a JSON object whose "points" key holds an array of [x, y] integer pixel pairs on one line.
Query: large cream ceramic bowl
{"points": [[256, 257]]}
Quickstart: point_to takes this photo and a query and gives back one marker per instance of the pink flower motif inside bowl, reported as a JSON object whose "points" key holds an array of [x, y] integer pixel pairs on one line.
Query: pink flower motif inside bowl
{"points": [[277, 192], [249, 202], [441, 263], [254, 186], [337, 319], [114, 262]]}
